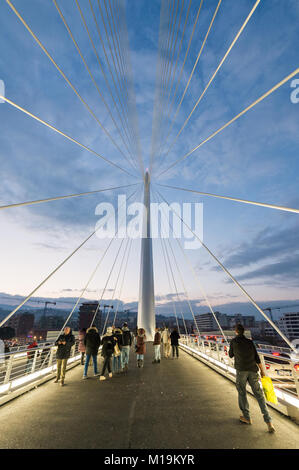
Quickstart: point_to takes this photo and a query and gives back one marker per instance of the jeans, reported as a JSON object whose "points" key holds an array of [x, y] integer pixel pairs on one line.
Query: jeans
{"points": [[175, 349], [82, 357], [253, 380], [95, 365], [116, 363], [157, 352], [140, 357], [61, 367], [125, 354], [106, 365]]}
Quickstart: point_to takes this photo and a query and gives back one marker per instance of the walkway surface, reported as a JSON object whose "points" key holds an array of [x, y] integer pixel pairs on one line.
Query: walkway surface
{"points": [[177, 404]]}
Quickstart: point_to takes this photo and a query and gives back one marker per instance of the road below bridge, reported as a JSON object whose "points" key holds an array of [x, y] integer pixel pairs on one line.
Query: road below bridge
{"points": [[177, 404]]}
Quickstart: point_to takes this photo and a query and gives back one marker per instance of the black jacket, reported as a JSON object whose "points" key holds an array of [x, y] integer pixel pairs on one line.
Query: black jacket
{"points": [[108, 343], [118, 334], [127, 337], [64, 350], [174, 337], [245, 354], [92, 341]]}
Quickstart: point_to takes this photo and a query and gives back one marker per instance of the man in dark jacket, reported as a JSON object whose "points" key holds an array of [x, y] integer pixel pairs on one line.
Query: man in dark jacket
{"points": [[64, 342], [174, 338], [92, 342], [125, 351], [247, 364]]}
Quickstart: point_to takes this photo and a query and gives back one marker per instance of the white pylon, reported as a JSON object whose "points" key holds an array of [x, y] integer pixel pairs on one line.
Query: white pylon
{"points": [[146, 306]]}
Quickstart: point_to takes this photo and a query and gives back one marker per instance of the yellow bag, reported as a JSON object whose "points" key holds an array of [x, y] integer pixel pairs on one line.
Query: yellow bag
{"points": [[269, 390]]}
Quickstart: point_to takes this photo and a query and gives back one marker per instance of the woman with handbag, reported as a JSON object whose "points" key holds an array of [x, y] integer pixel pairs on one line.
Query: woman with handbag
{"points": [[140, 346], [108, 342]]}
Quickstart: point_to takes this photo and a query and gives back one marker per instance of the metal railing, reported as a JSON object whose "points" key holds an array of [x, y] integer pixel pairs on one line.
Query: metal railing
{"points": [[278, 365], [24, 367]]}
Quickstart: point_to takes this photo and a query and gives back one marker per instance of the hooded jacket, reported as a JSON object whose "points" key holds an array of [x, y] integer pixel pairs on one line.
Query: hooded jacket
{"points": [[92, 341], [64, 350], [174, 338], [157, 338], [127, 337], [108, 342], [140, 343], [119, 336]]}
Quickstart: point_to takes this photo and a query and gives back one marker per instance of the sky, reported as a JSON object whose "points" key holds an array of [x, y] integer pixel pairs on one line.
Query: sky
{"points": [[255, 158]]}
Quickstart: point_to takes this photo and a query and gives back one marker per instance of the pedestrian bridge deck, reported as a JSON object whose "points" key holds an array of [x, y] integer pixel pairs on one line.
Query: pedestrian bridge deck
{"points": [[177, 404]]}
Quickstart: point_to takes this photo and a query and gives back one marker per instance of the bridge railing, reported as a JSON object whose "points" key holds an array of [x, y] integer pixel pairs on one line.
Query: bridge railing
{"points": [[23, 369], [278, 365]]}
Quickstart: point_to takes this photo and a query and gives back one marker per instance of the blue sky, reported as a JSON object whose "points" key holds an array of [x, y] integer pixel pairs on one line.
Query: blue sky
{"points": [[255, 158]]}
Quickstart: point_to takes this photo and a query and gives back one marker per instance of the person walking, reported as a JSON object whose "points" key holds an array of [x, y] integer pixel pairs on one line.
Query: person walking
{"points": [[108, 343], [92, 343], [116, 361], [157, 347], [64, 342], [30, 355], [81, 346], [125, 351], [174, 338], [166, 342], [247, 364], [140, 346]]}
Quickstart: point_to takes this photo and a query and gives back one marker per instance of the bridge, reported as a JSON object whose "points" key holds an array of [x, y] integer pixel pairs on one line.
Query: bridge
{"points": [[186, 403]]}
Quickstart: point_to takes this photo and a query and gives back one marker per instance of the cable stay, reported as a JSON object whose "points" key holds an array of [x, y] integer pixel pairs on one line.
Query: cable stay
{"points": [[261, 98], [63, 75], [192, 72], [122, 110], [65, 135], [176, 64], [170, 288], [122, 282], [183, 65], [57, 198], [53, 272], [92, 77], [196, 277], [233, 279], [213, 76], [244, 201], [117, 279]]}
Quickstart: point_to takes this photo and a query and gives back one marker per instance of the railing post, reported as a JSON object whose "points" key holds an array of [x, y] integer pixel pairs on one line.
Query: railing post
{"points": [[296, 378], [34, 361], [218, 352], [8, 370], [51, 356]]}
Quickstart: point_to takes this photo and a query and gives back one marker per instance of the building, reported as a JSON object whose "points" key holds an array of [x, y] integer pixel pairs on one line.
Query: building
{"points": [[207, 322], [86, 314], [22, 324], [289, 325]]}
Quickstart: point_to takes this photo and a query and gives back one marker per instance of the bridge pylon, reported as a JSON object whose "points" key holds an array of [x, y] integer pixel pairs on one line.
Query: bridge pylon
{"points": [[146, 306]]}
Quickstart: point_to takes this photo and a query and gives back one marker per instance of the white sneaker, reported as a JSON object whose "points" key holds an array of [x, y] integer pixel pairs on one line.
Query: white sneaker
{"points": [[102, 377], [96, 375], [84, 377], [110, 375]]}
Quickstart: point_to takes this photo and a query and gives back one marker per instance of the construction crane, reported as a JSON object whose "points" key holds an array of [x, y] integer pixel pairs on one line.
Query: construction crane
{"points": [[269, 309]]}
